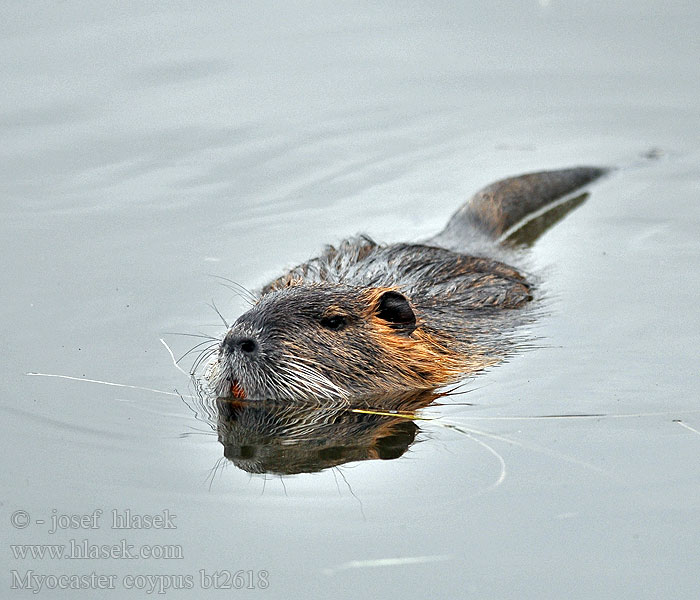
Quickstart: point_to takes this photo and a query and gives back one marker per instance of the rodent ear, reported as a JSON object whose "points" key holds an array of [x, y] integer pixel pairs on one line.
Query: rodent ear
{"points": [[394, 308]]}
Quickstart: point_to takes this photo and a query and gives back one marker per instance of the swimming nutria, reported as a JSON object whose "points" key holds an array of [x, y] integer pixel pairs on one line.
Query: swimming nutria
{"points": [[368, 318]]}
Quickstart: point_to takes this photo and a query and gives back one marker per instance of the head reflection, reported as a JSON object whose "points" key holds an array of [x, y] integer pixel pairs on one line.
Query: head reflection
{"points": [[286, 438]]}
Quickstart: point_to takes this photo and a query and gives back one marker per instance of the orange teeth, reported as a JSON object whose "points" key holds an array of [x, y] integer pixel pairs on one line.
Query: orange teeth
{"points": [[237, 390]]}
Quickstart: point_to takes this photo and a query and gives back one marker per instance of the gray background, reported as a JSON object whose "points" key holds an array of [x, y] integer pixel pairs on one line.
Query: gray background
{"points": [[147, 147]]}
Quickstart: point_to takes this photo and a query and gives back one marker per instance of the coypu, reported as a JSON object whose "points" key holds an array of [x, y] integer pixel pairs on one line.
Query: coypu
{"points": [[366, 318]]}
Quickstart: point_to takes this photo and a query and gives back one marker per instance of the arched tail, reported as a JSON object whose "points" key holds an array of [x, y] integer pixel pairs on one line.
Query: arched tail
{"points": [[498, 207]]}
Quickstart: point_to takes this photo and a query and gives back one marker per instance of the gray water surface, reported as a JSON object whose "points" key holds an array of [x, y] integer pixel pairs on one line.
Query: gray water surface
{"points": [[149, 147]]}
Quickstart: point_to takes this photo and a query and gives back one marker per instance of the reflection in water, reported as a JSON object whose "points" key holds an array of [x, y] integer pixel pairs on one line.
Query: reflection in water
{"points": [[529, 232], [300, 437]]}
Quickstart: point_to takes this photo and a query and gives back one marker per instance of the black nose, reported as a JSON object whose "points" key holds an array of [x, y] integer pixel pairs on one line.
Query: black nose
{"points": [[238, 343]]}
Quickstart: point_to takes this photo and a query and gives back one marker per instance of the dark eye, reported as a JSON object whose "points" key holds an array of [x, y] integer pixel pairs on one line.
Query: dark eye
{"points": [[334, 323]]}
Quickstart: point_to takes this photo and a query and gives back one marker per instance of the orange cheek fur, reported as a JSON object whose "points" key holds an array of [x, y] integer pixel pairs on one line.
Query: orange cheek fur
{"points": [[424, 360]]}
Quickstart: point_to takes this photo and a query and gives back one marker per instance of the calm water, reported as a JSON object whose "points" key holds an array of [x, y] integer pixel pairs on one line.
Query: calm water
{"points": [[146, 149]]}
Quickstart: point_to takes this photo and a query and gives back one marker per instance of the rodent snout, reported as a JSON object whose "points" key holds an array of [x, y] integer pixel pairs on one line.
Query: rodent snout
{"points": [[234, 342]]}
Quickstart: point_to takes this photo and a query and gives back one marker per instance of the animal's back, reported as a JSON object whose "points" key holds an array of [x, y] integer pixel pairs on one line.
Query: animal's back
{"points": [[437, 268]]}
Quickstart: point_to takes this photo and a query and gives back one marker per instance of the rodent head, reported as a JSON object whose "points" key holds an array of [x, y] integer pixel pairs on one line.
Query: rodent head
{"points": [[325, 340]]}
